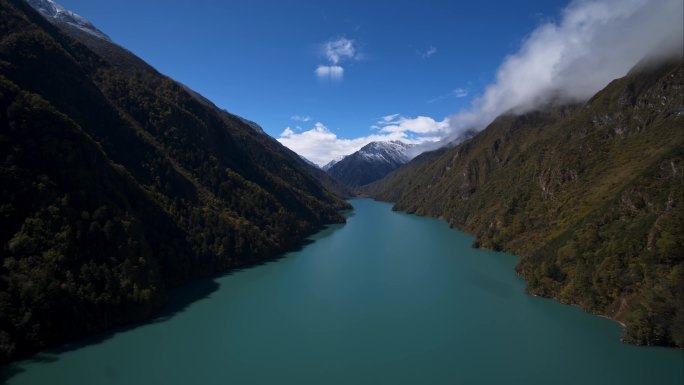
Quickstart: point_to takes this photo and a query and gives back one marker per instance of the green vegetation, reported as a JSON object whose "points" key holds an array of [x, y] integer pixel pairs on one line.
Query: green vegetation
{"points": [[118, 183], [590, 195]]}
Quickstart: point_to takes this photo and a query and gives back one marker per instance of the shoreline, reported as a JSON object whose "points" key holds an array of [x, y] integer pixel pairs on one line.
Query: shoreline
{"points": [[622, 324]]}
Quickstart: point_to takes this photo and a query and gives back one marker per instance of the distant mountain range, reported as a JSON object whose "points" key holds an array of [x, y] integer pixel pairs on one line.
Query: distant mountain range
{"points": [[372, 162], [118, 184], [591, 195]]}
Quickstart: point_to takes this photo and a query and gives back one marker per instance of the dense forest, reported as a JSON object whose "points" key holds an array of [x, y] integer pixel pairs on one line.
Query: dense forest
{"points": [[118, 183], [591, 195]]}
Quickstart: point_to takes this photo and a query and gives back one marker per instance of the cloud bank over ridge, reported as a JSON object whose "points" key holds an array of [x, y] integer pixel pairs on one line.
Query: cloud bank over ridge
{"points": [[320, 144], [595, 42]]}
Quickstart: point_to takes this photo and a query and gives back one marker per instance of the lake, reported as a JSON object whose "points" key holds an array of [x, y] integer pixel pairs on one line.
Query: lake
{"points": [[388, 298]]}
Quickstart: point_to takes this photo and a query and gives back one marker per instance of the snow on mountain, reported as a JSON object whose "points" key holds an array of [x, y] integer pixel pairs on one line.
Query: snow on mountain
{"points": [[328, 165], [370, 163], [53, 11], [390, 152]]}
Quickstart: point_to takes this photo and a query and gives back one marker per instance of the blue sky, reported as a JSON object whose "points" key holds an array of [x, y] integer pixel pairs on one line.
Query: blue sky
{"points": [[332, 68]]}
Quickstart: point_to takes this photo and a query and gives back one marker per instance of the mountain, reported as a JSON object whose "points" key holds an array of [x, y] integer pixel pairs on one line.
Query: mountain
{"points": [[328, 165], [590, 195], [118, 184], [56, 12], [372, 162], [255, 127]]}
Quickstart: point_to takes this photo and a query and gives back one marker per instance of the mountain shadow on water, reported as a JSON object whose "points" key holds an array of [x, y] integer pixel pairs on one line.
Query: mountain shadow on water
{"points": [[119, 184]]}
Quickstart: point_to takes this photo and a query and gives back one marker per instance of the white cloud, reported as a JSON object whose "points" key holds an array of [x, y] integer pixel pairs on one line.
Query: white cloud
{"points": [[595, 42], [333, 73], [461, 92], [299, 118], [389, 118], [336, 51], [428, 53], [320, 145], [457, 93], [339, 49], [421, 125]]}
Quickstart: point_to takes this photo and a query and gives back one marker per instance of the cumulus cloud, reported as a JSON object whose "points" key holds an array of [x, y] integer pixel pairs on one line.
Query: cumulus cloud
{"points": [[332, 73], [340, 49], [595, 42], [422, 125], [320, 145], [336, 51]]}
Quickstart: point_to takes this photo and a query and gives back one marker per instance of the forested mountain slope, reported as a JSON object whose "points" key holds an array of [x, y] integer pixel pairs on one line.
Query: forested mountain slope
{"points": [[118, 183], [590, 195]]}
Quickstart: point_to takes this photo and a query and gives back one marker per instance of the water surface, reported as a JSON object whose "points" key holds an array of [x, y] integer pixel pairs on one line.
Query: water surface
{"points": [[388, 298]]}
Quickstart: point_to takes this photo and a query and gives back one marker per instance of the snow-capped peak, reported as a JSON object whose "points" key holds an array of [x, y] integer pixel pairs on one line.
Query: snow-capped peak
{"points": [[51, 10], [392, 152], [372, 162]]}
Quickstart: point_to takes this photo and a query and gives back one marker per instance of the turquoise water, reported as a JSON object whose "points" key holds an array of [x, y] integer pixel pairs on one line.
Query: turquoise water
{"points": [[388, 298]]}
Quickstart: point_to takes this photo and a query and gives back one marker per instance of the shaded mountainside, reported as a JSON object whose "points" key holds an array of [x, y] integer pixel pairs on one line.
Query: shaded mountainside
{"points": [[372, 162], [56, 12], [118, 183], [591, 196], [131, 65]]}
